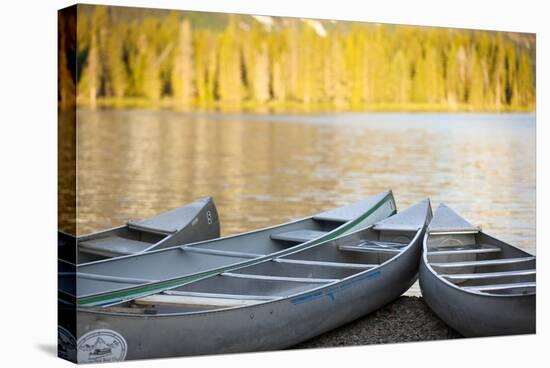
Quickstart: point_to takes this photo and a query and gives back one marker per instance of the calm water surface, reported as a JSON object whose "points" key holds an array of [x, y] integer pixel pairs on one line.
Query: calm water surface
{"points": [[263, 170]]}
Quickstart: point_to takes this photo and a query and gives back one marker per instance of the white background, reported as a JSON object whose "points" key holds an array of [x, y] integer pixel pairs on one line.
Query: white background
{"points": [[28, 97]]}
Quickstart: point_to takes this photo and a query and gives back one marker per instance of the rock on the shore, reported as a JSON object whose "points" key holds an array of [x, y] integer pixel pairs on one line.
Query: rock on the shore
{"points": [[406, 319]]}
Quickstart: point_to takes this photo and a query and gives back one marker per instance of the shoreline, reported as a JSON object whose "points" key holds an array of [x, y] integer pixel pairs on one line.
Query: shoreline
{"points": [[250, 107], [407, 319]]}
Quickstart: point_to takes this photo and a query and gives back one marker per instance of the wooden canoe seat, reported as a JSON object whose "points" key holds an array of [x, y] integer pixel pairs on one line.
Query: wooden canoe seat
{"points": [[298, 236], [464, 249], [192, 301], [112, 246], [207, 300]]}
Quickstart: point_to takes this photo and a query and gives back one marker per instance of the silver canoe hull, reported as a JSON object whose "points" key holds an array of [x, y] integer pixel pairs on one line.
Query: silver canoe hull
{"points": [[477, 284], [269, 326], [474, 315], [111, 281], [276, 324]]}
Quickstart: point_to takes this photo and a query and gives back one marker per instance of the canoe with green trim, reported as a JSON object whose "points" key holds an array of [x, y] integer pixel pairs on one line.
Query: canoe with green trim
{"points": [[113, 281], [273, 304]]}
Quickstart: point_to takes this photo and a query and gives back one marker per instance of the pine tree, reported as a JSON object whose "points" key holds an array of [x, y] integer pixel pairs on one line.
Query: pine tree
{"points": [[116, 71], [294, 62], [182, 68], [229, 77]]}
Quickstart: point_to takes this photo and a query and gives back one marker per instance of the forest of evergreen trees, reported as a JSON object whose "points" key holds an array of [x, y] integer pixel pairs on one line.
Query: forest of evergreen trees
{"points": [[190, 60]]}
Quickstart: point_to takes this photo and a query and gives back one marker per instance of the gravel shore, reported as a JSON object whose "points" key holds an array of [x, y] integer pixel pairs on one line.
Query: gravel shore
{"points": [[404, 320]]}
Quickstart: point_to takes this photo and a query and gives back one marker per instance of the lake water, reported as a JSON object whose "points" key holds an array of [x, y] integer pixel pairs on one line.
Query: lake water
{"points": [[267, 169]]}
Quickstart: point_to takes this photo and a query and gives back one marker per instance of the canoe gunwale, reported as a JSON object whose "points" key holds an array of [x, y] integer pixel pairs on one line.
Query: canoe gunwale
{"points": [[285, 299]]}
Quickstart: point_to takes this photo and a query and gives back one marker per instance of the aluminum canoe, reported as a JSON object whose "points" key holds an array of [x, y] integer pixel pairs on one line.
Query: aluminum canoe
{"points": [[272, 304], [112, 281], [190, 223], [477, 284]]}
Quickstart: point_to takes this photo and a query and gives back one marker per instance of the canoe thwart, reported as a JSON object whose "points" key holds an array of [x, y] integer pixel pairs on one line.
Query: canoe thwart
{"points": [[383, 244], [453, 232], [360, 266], [221, 295], [464, 249], [488, 275], [309, 280], [489, 262], [118, 279], [363, 247], [497, 287], [216, 252]]}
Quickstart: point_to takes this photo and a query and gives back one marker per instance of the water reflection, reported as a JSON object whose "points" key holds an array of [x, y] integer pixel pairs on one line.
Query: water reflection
{"points": [[66, 178], [263, 170]]}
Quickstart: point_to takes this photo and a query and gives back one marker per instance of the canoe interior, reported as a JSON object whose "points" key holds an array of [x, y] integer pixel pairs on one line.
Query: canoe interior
{"points": [[480, 263], [279, 278], [174, 261], [193, 222], [270, 243], [102, 282], [135, 240]]}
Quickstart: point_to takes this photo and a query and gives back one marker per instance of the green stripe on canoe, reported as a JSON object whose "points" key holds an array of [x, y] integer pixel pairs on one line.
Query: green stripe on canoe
{"points": [[116, 297]]}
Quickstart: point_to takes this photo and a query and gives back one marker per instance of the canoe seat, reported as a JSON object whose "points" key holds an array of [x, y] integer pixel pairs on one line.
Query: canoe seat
{"points": [[193, 301], [298, 236], [112, 246], [208, 300]]}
